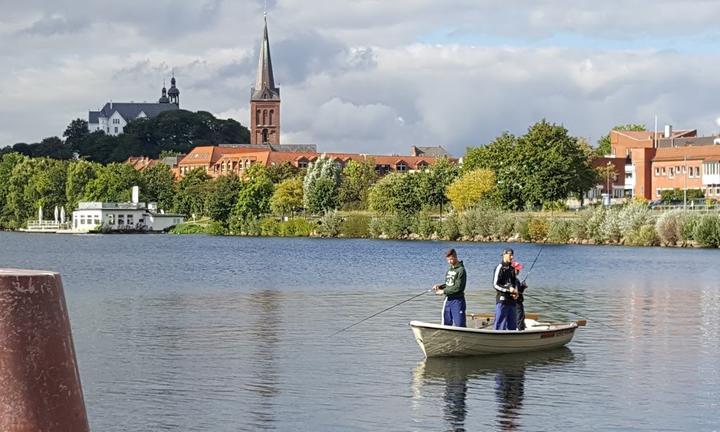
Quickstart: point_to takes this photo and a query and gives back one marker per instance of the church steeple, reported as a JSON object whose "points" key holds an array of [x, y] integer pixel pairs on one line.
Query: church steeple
{"points": [[163, 96], [265, 81], [265, 99]]}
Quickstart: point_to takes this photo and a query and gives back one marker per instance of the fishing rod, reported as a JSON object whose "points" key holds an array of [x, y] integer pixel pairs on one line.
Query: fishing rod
{"points": [[384, 310], [533, 264]]}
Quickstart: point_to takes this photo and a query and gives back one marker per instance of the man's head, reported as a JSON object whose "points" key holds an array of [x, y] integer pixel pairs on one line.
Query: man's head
{"points": [[507, 255], [451, 257]]}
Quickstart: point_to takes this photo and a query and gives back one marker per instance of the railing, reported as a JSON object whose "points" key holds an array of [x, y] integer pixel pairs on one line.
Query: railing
{"points": [[696, 207], [48, 225]]}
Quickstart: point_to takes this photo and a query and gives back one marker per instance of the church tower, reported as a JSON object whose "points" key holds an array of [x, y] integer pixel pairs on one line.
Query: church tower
{"points": [[173, 92], [265, 100]]}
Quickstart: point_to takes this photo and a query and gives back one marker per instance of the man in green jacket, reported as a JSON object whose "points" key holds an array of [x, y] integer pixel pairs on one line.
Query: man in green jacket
{"points": [[454, 291]]}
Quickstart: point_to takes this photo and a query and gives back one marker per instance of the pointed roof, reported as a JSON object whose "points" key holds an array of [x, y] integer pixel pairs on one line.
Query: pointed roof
{"points": [[265, 82]]}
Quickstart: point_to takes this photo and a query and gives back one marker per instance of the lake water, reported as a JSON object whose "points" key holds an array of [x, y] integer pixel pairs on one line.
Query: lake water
{"points": [[195, 333]]}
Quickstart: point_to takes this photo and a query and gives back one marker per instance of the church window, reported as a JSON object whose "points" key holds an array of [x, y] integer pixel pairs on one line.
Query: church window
{"points": [[265, 136], [271, 116], [257, 117], [264, 117]]}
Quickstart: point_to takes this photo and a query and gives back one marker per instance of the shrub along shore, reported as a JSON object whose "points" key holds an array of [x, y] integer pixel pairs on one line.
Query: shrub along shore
{"points": [[633, 224]]}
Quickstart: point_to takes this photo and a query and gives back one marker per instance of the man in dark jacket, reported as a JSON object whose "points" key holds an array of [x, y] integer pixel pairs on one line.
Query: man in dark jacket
{"points": [[506, 288], [454, 291]]}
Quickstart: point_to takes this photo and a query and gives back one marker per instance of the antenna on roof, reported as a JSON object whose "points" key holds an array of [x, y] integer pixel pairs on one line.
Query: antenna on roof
{"points": [[265, 10]]}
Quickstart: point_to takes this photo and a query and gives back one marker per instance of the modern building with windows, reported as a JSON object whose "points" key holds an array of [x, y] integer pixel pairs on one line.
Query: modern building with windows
{"points": [[648, 163]]}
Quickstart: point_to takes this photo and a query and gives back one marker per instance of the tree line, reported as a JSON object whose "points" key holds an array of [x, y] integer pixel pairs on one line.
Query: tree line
{"points": [[175, 131]]}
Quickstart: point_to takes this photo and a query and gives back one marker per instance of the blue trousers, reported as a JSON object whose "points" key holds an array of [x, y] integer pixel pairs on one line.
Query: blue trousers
{"points": [[505, 316], [454, 312]]}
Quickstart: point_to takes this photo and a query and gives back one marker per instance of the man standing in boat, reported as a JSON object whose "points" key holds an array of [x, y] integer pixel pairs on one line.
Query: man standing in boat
{"points": [[520, 298], [507, 287], [454, 291]]}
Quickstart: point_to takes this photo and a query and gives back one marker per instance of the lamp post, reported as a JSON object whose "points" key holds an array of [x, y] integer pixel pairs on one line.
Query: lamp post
{"points": [[608, 173], [685, 189]]}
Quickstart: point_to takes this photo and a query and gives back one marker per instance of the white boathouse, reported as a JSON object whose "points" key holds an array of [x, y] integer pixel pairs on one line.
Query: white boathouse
{"points": [[126, 216]]}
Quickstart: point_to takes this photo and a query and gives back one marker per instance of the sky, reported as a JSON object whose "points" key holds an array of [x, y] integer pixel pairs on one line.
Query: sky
{"points": [[369, 76]]}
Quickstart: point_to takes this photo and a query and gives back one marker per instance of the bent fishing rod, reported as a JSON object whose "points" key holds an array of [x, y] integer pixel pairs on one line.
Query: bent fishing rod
{"points": [[384, 310]]}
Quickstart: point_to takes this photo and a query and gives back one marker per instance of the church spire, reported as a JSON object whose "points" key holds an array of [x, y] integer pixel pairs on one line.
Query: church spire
{"points": [[265, 82], [265, 99]]}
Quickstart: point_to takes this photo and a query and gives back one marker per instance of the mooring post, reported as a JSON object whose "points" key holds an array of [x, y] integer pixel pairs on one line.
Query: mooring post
{"points": [[40, 387]]}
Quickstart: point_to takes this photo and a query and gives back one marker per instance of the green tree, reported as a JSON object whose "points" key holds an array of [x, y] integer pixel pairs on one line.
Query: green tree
{"points": [[434, 181], [283, 171], [320, 186], [113, 183], [471, 188], [254, 198], [8, 162], [158, 185], [222, 195], [190, 198], [288, 196], [396, 193], [501, 157], [356, 180], [79, 174], [76, 133], [552, 163], [603, 145], [34, 183]]}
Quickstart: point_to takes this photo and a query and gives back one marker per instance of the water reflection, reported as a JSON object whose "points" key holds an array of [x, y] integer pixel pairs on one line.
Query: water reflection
{"points": [[458, 374], [265, 338]]}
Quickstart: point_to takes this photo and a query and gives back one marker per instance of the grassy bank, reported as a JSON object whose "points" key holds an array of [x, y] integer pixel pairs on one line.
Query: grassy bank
{"points": [[633, 224]]}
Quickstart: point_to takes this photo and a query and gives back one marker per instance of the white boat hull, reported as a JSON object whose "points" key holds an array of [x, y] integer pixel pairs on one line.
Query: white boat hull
{"points": [[437, 340]]}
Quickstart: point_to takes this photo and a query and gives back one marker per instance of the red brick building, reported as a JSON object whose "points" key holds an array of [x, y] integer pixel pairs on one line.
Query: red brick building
{"points": [[653, 162]]}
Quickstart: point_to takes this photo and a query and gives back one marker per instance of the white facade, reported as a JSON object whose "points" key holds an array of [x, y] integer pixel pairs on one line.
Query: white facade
{"points": [[91, 216], [113, 125]]}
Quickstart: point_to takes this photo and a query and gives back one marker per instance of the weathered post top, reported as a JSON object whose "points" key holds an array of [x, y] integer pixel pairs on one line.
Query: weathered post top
{"points": [[39, 379]]}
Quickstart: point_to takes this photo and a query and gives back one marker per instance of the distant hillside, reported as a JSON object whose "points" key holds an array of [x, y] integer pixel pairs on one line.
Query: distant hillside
{"points": [[172, 131]]}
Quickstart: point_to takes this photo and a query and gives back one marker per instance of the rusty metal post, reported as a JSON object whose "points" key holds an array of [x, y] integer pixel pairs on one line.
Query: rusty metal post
{"points": [[39, 382]]}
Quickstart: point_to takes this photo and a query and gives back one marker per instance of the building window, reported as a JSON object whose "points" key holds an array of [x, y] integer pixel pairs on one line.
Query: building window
{"points": [[663, 170], [697, 171], [82, 220], [130, 220], [657, 171], [265, 136], [401, 167], [116, 129], [111, 219], [271, 116], [257, 117], [264, 117], [121, 220], [671, 172], [302, 163]]}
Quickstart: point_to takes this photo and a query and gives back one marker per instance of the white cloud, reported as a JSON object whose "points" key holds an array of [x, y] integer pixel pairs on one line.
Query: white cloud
{"points": [[365, 75]]}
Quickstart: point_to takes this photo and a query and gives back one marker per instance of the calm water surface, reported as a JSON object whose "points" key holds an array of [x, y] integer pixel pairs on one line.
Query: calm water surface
{"points": [[194, 333]]}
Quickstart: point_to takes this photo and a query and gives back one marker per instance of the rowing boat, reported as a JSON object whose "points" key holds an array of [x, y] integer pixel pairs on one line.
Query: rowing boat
{"points": [[437, 340]]}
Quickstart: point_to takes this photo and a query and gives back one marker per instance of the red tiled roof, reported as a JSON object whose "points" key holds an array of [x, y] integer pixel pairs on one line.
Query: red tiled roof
{"points": [[692, 153]]}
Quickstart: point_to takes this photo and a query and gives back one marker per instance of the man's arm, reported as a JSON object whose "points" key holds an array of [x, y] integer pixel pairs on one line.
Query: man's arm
{"points": [[495, 280]]}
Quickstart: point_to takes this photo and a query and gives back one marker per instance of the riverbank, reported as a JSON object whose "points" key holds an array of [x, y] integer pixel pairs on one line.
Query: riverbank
{"points": [[633, 225]]}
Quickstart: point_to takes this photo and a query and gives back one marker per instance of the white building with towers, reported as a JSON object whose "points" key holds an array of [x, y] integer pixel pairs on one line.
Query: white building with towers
{"points": [[114, 116]]}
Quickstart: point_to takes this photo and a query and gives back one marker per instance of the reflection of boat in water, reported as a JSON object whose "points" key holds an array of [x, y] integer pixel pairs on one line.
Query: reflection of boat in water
{"points": [[438, 340], [467, 367], [509, 375]]}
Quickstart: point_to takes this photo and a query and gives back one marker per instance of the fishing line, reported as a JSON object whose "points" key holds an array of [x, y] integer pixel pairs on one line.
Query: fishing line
{"points": [[384, 310], [551, 304]]}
